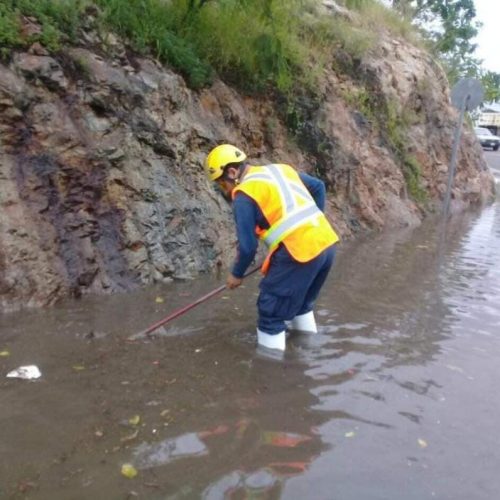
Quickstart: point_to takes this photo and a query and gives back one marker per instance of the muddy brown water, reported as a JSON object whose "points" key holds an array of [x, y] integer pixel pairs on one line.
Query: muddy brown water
{"points": [[396, 396]]}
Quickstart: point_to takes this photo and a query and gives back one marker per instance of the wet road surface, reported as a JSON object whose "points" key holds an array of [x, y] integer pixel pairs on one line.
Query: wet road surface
{"points": [[396, 397], [493, 160]]}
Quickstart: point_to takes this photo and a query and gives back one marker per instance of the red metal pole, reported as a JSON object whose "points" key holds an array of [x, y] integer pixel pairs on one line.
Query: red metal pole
{"points": [[185, 309]]}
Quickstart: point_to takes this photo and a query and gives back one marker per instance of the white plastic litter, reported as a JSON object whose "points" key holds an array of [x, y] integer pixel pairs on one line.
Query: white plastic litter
{"points": [[28, 372]]}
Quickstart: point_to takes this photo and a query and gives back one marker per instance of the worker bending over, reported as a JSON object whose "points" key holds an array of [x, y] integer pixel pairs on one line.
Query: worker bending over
{"points": [[284, 209]]}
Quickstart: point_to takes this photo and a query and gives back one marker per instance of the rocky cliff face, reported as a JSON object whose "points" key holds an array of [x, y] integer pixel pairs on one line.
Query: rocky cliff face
{"points": [[101, 181]]}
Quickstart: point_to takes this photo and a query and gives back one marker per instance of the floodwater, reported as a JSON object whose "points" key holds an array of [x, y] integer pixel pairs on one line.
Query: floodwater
{"points": [[395, 398]]}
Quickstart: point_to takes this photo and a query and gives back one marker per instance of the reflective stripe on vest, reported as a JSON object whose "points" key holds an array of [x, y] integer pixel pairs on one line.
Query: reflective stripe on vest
{"points": [[286, 225], [260, 177], [293, 215]]}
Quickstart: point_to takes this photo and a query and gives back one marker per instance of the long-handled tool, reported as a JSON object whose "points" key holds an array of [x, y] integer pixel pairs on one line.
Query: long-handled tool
{"points": [[184, 309]]}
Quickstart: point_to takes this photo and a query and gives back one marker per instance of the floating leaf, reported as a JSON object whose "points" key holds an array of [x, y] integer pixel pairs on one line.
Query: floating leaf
{"points": [[130, 437], [4, 354], [350, 434], [283, 439], [217, 431], [78, 368], [422, 443], [289, 467], [128, 470], [134, 420], [159, 300]]}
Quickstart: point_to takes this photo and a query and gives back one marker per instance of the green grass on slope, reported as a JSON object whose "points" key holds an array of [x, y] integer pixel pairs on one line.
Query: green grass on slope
{"points": [[249, 43], [252, 44]]}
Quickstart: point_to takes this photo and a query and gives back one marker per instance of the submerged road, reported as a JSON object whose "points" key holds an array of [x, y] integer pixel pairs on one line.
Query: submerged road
{"points": [[395, 398], [493, 160]]}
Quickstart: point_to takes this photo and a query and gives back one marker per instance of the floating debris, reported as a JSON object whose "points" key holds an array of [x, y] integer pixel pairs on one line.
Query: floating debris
{"points": [[128, 470], [130, 437], [283, 439], [94, 335], [454, 368], [135, 420], [4, 354], [422, 443]]}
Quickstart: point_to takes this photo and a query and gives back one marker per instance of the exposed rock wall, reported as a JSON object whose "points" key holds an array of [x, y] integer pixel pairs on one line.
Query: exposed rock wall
{"points": [[101, 180]]}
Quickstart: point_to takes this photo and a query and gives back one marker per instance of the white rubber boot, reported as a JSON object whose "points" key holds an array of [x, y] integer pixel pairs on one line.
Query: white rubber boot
{"points": [[305, 323], [276, 341]]}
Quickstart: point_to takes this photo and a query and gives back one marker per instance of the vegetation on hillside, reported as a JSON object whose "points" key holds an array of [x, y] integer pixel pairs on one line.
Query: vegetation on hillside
{"points": [[450, 27], [249, 43], [255, 45]]}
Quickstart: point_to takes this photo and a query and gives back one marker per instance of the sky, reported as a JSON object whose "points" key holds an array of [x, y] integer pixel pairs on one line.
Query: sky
{"points": [[488, 40]]}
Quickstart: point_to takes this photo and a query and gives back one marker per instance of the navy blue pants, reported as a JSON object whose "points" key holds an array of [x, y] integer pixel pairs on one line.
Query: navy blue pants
{"points": [[290, 288]]}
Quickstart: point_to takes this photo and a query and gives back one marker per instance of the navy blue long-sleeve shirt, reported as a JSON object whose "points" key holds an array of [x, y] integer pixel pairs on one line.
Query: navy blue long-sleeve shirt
{"points": [[247, 215]]}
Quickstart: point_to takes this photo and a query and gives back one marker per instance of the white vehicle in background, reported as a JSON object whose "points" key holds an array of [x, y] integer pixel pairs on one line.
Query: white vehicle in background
{"points": [[487, 138]]}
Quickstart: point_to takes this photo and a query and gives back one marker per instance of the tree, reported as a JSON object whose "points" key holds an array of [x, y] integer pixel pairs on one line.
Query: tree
{"points": [[451, 26], [491, 84]]}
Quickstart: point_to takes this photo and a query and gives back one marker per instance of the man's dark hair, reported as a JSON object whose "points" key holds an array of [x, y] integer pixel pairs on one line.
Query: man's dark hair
{"points": [[239, 165]]}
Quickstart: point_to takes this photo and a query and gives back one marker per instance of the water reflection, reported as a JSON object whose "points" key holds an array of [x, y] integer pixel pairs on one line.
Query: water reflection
{"points": [[265, 436], [243, 482]]}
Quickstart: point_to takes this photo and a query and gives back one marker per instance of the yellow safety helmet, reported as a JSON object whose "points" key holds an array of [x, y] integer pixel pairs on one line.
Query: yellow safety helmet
{"points": [[221, 156]]}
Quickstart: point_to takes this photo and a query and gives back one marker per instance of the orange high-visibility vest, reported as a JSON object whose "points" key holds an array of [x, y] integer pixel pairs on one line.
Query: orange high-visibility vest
{"points": [[294, 218]]}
